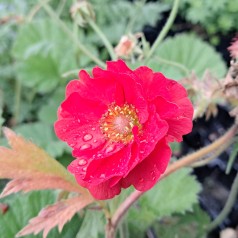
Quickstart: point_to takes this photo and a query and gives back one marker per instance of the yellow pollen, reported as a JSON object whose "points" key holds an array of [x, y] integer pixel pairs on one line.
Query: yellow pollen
{"points": [[117, 123]]}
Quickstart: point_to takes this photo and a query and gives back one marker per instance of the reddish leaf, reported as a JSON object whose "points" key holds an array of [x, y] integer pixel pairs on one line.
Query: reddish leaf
{"points": [[31, 168], [55, 215]]}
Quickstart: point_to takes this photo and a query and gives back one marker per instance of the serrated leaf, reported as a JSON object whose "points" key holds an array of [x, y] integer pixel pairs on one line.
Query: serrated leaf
{"points": [[39, 72], [55, 215], [44, 53], [27, 163], [175, 194], [23, 208], [189, 52]]}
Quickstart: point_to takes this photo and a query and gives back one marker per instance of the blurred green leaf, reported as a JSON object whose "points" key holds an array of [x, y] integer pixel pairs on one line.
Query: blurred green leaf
{"points": [[26, 206], [48, 112], [43, 54], [189, 53], [43, 135], [92, 225], [189, 225], [175, 194]]}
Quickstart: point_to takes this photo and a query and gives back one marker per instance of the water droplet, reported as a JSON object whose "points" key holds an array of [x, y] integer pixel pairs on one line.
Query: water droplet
{"points": [[102, 176], [78, 121], [141, 180], [84, 168], [142, 151], [99, 155], [82, 162], [87, 137], [93, 128], [85, 146], [154, 178], [110, 148], [95, 141]]}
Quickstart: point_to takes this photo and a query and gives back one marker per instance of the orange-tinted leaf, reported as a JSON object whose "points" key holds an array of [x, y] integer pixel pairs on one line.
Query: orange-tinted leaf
{"points": [[31, 168], [55, 215]]}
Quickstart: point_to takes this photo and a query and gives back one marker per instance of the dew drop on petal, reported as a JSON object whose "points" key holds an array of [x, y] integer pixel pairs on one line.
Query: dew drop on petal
{"points": [[85, 146], [84, 168], [78, 120], [82, 162], [93, 128], [153, 178], [141, 180], [110, 148], [102, 176], [87, 137], [95, 141]]}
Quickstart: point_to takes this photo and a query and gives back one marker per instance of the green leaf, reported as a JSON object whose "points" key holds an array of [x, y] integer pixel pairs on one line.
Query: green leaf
{"points": [[189, 225], [186, 52], [48, 112], [175, 194], [92, 225], [43, 135], [39, 72], [26, 206], [43, 54]]}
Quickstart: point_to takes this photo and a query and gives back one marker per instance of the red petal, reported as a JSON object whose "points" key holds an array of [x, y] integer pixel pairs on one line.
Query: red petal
{"points": [[103, 190], [118, 66], [100, 170], [96, 89], [178, 127], [132, 90], [153, 131], [145, 175], [165, 109], [78, 122]]}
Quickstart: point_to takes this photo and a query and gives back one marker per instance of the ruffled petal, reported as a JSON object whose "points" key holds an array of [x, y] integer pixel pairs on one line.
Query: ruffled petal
{"points": [[178, 127], [145, 175], [132, 90], [116, 164], [78, 122]]}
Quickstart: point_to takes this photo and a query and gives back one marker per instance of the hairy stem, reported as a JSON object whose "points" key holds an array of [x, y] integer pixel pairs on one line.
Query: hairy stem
{"points": [[104, 39], [64, 27], [183, 162], [165, 30], [228, 206]]}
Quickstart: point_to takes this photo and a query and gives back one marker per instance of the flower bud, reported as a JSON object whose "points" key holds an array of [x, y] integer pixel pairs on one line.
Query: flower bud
{"points": [[81, 12]]}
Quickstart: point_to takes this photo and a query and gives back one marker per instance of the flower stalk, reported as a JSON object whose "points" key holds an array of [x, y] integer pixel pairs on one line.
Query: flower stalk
{"points": [[164, 31]]}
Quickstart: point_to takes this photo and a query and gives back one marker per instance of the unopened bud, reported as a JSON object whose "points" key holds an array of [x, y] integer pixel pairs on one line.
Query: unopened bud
{"points": [[81, 12]]}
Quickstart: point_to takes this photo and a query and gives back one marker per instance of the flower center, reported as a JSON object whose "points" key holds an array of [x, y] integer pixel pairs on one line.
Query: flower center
{"points": [[117, 123]]}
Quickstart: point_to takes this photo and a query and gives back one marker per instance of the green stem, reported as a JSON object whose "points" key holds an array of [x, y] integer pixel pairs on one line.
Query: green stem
{"points": [[104, 39], [18, 89], [165, 30], [61, 7], [35, 9], [64, 27], [228, 206]]}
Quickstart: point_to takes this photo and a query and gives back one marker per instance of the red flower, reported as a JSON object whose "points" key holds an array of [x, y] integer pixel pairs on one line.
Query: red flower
{"points": [[119, 123]]}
